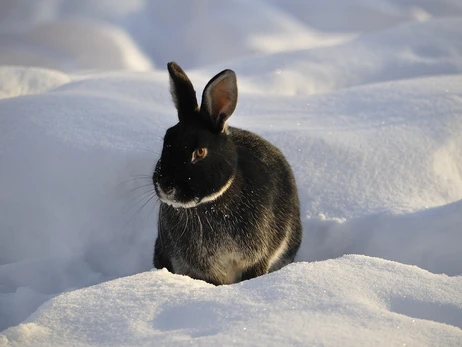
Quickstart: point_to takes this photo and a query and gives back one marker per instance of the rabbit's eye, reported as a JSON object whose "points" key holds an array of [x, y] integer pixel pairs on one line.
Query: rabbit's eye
{"points": [[199, 153]]}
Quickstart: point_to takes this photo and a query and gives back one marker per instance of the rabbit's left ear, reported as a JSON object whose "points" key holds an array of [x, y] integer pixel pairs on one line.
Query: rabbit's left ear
{"points": [[219, 98], [182, 90]]}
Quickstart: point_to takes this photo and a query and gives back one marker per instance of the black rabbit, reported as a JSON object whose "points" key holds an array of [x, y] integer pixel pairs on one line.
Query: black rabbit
{"points": [[229, 206]]}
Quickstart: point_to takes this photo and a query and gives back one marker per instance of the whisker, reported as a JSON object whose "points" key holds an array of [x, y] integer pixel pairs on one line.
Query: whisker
{"points": [[138, 199], [136, 188], [201, 227], [139, 177], [147, 150], [185, 225], [147, 217], [152, 197], [137, 212]]}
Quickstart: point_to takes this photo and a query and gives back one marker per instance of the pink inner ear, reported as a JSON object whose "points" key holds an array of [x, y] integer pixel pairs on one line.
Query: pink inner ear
{"points": [[220, 98]]}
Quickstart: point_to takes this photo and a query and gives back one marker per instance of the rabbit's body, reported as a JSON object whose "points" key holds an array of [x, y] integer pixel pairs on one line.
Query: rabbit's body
{"points": [[233, 214]]}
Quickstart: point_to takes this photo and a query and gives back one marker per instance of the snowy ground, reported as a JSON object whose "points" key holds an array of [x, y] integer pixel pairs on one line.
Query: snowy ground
{"points": [[364, 98]]}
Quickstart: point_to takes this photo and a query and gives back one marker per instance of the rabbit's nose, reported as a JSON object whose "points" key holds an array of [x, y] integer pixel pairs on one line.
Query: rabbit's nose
{"points": [[162, 184], [165, 191], [165, 186], [168, 190]]}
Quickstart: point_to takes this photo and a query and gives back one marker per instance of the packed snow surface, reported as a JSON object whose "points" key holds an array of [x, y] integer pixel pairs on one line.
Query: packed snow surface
{"points": [[331, 302], [365, 100]]}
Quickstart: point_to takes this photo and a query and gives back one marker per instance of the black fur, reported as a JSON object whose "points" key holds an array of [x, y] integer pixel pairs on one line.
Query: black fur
{"points": [[236, 235]]}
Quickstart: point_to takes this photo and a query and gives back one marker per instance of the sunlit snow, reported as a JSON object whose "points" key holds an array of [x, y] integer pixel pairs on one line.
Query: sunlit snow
{"points": [[363, 97]]}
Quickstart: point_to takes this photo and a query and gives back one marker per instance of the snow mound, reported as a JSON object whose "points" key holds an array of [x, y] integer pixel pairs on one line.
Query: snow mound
{"points": [[365, 16], [390, 147], [203, 31], [16, 81], [419, 238], [348, 301], [411, 50], [73, 44]]}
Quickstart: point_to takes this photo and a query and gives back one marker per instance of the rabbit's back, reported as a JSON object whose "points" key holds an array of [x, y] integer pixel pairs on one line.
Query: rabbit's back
{"points": [[262, 162], [274, 195]]}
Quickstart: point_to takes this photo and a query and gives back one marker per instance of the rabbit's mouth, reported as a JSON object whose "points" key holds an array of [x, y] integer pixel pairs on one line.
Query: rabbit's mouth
{"points": [[171, 198]]}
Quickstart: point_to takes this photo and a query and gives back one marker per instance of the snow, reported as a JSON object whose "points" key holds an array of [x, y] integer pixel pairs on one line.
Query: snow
{"points": [[331, 302], [15, 81], [365, 101]]}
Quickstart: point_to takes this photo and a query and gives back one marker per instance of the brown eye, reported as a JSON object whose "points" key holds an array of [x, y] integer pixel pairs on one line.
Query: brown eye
{"points": [[201, 152]]}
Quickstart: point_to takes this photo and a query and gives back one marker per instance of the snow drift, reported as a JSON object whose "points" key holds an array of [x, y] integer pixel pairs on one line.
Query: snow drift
{"points": [[158, 307]]}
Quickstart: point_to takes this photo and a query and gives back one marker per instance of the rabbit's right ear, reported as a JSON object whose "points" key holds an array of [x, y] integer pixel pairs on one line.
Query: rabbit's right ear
{"points": [[182, 90], [219, 98]]}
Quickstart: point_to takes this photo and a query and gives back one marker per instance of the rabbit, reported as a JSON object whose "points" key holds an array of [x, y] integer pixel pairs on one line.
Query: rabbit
{"points": [[229, 208]]}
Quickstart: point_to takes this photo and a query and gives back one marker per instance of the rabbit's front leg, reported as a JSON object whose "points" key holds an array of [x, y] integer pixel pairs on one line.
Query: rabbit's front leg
{"points": [[260, 268], [160, 259]]}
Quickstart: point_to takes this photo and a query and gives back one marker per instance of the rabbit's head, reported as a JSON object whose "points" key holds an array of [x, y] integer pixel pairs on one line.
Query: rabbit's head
{"points": [[198, 160]]}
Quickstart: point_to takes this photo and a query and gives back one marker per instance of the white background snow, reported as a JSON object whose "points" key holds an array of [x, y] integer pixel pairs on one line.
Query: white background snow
{"points": [[364, 97]]}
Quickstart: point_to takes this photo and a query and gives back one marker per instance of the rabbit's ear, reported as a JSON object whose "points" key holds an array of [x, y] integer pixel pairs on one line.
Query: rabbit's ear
{"points": [[220, 98], [182, 90]]}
